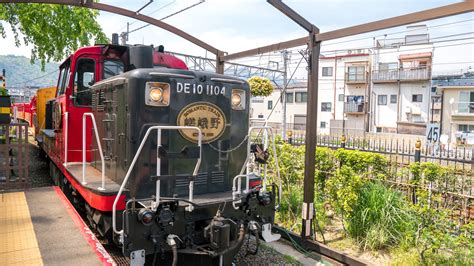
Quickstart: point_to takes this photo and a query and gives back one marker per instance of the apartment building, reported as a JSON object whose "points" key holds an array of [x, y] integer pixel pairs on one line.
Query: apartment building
{"points": [[401, 77], [343, 94], [456, 105], [383, 89]]}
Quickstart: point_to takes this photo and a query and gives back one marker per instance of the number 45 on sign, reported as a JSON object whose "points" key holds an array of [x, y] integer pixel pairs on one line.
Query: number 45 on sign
{"points": [[432, 132]]}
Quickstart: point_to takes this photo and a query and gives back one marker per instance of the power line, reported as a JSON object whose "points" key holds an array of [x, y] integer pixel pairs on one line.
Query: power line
{"points": [[33, 79], [149, 14], [170, 15], [399, 32]]}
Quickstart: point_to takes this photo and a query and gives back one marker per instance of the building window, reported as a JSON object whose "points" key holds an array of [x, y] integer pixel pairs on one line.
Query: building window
{"points": [[393, 98], [327, 71], [356, 73], [323, 124], [341, 97], [417, 98], [290, 97], [270, 105], [301, 97], [466, 128], [382, 100], [466, 100], [378, 129], [388, 66], [260, 116], [326, 107]]}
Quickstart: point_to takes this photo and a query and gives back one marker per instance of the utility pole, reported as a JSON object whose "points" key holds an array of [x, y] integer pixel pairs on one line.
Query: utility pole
{"points": [[124, 35], [285, 54]]}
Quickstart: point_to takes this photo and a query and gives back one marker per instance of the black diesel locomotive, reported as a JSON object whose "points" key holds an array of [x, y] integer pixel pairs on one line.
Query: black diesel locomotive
{"points": [[176, 143]]}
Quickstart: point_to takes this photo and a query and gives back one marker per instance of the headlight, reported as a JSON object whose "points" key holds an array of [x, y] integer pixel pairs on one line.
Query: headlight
{"points": [[157, 94], [238, 99]]}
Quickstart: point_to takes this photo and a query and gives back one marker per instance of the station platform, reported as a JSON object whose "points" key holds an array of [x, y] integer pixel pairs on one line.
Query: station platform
{"points": [[40, 227]]}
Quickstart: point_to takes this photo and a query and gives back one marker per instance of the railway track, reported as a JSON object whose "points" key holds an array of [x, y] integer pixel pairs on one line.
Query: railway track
{"points": [[311, 249]]}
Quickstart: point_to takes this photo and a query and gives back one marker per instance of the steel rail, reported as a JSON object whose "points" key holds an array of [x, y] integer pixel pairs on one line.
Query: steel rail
{"points": [[127, 13], [320, 248]]}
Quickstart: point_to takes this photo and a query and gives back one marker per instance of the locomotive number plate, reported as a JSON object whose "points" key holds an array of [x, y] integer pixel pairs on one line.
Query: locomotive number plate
{"points": [[206, 116]]}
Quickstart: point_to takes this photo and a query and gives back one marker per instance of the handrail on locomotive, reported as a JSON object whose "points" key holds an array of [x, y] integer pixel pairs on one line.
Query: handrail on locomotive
{"points": [[158, 171], [237, 190], [84, 117]]}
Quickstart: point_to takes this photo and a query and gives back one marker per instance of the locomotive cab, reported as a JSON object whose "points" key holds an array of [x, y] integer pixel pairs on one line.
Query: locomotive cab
{"points": [[175, 140]]}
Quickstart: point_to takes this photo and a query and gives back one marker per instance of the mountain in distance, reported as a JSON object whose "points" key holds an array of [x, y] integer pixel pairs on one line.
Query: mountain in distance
{"points": [[20, 73]]}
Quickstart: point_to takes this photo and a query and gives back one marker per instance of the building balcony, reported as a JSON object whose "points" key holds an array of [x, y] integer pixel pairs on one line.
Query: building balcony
{"points": [[415, 74], [462, 109], [354, 108], [356, 78]]}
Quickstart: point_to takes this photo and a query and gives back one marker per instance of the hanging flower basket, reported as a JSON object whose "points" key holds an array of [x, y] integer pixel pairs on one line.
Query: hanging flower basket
{"points": [[260, 86]]}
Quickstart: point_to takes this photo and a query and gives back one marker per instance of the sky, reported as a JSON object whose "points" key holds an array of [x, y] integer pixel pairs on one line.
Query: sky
{"points": [[236, 25]]}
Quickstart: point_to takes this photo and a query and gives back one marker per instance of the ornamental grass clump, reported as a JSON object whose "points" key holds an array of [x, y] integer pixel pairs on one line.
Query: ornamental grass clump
{"points": [[380, 218]]}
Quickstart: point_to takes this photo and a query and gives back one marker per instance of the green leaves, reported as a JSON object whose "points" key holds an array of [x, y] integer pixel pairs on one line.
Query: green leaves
{"points": [[380, 218], [54, 31], [260, 86]]}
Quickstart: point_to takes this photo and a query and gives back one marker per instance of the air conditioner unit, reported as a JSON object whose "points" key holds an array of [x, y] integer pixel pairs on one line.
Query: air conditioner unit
{"points": [[408, 109], [415, 110]]}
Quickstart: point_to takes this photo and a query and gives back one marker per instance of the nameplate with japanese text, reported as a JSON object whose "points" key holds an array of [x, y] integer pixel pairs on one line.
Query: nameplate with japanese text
{"points": [[208, 117]]}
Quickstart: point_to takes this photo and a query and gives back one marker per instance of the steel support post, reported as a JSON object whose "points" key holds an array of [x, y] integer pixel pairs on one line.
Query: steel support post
{"points": [[310, 138], [219, 63]]}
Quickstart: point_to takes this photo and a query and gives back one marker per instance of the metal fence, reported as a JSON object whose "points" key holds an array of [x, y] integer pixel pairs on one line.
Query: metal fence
{"points": [[14, 154], [454, 185]]}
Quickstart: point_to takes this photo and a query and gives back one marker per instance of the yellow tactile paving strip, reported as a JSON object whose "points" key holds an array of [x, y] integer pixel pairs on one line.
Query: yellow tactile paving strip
{"points": [[18, 245]]}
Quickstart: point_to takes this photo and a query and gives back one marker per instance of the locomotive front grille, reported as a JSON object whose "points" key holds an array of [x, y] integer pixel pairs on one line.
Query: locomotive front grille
{"points": [[202, 179], [217, 177]]}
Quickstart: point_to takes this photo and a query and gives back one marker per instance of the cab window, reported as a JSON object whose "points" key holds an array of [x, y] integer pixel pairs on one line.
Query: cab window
{"points": [[63, 79], [112, 68], [83, 81]]}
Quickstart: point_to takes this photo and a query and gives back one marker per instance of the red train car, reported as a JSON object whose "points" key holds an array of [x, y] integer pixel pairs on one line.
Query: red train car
{"points": [[156, 156]]}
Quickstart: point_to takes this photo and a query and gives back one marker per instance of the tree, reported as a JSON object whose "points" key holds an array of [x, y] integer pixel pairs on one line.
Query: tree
{"points": [[54, 31], [260, 86]]}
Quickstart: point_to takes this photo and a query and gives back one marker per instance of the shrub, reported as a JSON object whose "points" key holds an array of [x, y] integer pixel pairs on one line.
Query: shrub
{"points": [[438, 239], [363, 163], [380, 218], [343, 189], [325, 164]]}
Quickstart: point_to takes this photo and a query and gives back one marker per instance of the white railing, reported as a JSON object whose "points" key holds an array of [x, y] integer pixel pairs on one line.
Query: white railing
{"points": [[401, 74], [464, 108], [237, 187], [84, 181], [158, 171], [66, 137]]}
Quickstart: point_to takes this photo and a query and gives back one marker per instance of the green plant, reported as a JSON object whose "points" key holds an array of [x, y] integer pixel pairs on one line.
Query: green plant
{"points": [[325, 165], [343, 190], [52, 31], [363, 163], [438, 239], [380, 218], [260, 86], [3, 91]]}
